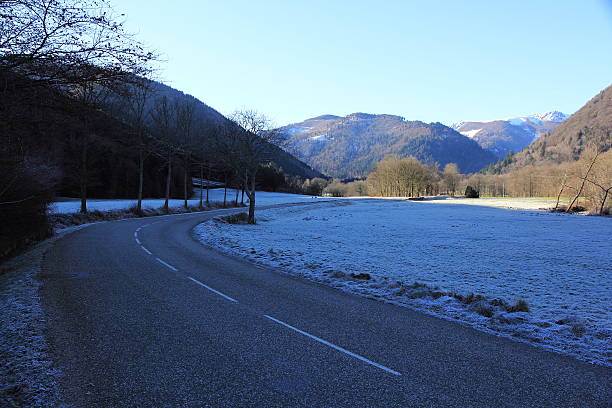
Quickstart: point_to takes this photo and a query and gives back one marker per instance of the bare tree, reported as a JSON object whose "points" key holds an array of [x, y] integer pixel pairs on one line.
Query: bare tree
{"points": [[600, 182], [451, 178], [164, 131], [563, 187], [90, 96], [395, 177], [583, 178], [46, 40], [134, 106], [185, 132], [251, 135], [203, 150]]}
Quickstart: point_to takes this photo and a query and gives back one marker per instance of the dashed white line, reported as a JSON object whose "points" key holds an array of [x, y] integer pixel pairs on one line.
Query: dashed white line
{"points": [[212, 290], [166, 264], [327, 343], [146, 250]]}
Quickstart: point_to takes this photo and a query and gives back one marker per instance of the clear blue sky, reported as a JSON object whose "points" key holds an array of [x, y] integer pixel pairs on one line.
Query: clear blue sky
{"points": [[425, 60]]}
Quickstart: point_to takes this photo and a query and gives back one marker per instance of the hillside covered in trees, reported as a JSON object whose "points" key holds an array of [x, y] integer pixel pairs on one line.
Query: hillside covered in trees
{"points": [[347, 147], [590, 126]]}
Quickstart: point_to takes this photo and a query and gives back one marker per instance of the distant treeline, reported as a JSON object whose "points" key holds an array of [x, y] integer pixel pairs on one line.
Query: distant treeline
{"points": [[582, 184]]}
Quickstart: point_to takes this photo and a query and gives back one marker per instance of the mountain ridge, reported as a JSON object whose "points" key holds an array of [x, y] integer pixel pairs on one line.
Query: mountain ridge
{"points": [[349, 146], [502, 136], [590, 126]]}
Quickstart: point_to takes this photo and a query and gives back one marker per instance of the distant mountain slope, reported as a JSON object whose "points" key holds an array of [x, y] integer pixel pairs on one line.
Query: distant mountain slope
{"points": [[506, 135], [204, 112], [349, 146], [591, 125], [290, 165]]}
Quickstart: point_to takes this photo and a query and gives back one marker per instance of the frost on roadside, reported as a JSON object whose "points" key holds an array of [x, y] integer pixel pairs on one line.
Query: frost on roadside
{"points": [[27, 377], [468, 264]]}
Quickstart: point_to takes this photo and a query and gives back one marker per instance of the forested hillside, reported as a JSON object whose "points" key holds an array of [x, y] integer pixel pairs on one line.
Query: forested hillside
{"points": [[591, 126], [350, 146]]}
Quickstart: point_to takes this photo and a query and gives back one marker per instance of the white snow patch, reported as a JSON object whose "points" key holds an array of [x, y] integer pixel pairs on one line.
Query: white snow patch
{"points": [[320, 138], [552, 116], [537, 118], [533, 120], [470, 133], [558, 263], [294, 130]]}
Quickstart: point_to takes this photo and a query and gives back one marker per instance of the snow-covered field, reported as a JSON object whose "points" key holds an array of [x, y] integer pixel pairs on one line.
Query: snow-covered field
{"points": [[499, 202], [262, 198], [560, 264]]}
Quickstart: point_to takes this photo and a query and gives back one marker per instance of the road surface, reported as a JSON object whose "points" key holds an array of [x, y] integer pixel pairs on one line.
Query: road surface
{"points": [[141, 314]]}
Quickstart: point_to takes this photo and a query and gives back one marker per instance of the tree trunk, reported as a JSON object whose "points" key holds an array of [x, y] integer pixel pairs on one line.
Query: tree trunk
{"points": [[140, 181], [603, 202], [185, 177], [236, 200], [168, 180], [225, 192], [208, 187], [83, 175], [251, 196], [201, 184], [560, 191], [244, 185]]}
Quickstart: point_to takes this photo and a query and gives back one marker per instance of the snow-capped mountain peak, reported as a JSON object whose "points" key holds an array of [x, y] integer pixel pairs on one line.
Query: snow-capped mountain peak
{"points": [[552, 116], [510, 134]]}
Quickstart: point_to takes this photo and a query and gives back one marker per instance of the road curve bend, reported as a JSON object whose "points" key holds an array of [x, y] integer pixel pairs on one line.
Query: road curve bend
{"points": [[141, 314]]}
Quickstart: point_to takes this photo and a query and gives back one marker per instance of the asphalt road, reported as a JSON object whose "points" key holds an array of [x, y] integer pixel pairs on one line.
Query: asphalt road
{"points": [[142, 315]]}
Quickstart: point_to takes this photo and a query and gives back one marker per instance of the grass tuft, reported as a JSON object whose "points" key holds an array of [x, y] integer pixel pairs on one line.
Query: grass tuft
{"points": [[519, 306], [239, 219]]}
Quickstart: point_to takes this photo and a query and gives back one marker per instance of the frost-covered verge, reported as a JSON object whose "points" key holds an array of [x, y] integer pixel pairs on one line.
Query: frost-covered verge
{"points": [[470, 263], [61, 221], [216, 194], [27, 375]]}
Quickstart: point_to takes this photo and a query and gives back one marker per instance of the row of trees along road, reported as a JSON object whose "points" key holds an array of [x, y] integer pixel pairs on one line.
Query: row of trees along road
{"points": [[59, 49], [69, 69]]}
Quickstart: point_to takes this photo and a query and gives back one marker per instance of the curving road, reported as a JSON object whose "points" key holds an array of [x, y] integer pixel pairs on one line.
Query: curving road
{"points": [[142, 315]]}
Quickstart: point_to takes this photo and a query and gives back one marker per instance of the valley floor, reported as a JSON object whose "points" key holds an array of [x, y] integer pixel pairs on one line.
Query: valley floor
{"points": [[558, 263]]}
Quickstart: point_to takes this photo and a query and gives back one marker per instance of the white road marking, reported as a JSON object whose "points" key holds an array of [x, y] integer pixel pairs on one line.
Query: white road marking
{"points": [[138, 241], [146, 250], [166, 264], [327, 343], [212, 290]]}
